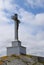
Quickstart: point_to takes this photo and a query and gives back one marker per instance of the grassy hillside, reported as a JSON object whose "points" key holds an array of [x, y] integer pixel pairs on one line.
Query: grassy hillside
{"points": [[20, 60]]}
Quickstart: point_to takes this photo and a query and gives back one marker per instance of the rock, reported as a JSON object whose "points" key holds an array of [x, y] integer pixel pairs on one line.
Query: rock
{"points": [[22, 60]]}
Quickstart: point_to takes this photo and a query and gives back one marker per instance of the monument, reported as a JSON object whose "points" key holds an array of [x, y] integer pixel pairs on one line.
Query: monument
{"points": [[16, 44]]}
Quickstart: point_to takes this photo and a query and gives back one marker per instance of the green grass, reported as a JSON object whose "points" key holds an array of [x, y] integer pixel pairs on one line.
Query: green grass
{"points": [[30, 56], [15, 56]]}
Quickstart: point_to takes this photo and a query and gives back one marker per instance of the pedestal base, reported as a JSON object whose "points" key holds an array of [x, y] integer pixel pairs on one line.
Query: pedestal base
{"points": [[16, 49]]}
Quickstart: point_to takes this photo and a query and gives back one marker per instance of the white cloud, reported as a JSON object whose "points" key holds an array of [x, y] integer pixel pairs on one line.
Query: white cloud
{"points": [[28, 17], [12, 8], [3, 18], [6, 36], [1, 5], [39, 19], [36, 3], [6, 32]]}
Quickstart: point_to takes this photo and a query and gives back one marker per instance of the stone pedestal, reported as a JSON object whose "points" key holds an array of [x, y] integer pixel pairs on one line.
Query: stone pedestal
{"points": [[16, 43], [16, 49]]}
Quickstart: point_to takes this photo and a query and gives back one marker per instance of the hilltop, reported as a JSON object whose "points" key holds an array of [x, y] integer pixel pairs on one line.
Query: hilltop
{"points": [[20, 60]]}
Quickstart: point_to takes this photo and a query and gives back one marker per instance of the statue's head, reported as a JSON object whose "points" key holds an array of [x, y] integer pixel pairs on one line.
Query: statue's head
{"points": [[16, 15]]}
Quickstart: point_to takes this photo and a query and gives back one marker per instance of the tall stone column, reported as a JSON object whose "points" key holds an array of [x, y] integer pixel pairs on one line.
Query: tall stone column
{"points": [[16, 21], [16, 31]]}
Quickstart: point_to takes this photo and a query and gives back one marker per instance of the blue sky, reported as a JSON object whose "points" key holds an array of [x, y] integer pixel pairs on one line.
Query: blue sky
{"points": [[31, 29]]}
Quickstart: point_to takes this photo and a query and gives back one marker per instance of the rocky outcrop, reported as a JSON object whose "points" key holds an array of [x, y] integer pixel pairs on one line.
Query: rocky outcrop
{"points": [[20, 60]]}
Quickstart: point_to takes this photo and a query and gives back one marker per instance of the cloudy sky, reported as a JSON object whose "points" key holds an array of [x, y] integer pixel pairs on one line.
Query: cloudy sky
{"points": [[31, 29]]}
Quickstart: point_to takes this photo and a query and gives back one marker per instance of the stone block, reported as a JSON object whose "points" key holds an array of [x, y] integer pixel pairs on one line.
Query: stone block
{"points": [[16, 50], [16, 43]]}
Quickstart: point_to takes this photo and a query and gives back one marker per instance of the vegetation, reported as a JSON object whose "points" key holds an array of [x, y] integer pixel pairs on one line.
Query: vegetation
{"points": [[23, 58], [30, 56], [1, 62], [4, 57], [15, 56]]}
